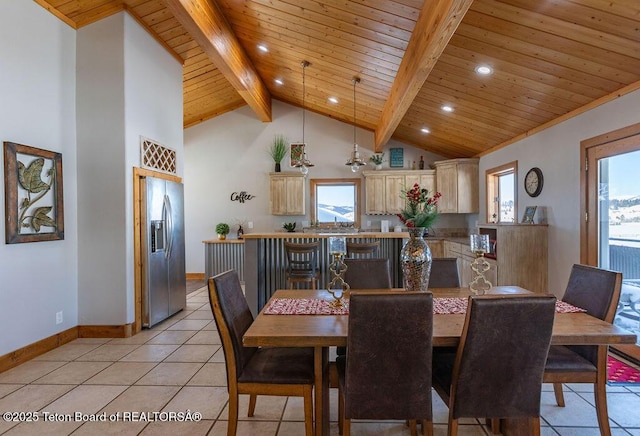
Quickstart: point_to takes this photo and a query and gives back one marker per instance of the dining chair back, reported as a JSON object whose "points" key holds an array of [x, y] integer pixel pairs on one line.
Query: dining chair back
{"points": [[302, 263], [386, 375], [372, 273], [256, 371], [497, 369], [598, 292], [444, 273], [362, 249]]}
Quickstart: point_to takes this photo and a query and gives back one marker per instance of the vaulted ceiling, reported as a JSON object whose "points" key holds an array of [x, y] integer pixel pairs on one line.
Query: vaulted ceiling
{"points": [[551, 59]]}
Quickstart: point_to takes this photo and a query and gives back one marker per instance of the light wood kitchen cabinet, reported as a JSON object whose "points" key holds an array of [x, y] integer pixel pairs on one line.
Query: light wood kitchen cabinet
{"points": [[393, 186], [521, 254], [374, 195], [457, 181], [287, 193], [436, 247], [383, 189]]}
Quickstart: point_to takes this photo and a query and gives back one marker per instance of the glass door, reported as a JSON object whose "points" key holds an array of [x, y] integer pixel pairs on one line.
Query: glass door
{"points": [[614, 237]]}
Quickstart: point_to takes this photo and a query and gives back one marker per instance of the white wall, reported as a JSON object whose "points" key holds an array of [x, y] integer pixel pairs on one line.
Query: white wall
{"points": [[556, 151], [153, 109], [229, 154], [101, 173], [37, 85], [128, 87]]}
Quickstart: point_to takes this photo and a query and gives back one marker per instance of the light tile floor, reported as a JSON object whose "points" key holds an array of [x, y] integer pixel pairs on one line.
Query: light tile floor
{"points": [[178, 366]]}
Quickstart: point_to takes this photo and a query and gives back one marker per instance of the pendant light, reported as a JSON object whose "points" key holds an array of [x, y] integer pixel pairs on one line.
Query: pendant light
{"points": [[355, 162], [304, 162]]}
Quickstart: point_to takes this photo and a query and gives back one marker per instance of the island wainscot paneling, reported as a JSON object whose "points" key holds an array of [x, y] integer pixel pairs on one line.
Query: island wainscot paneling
{"points": [[265, 260]]}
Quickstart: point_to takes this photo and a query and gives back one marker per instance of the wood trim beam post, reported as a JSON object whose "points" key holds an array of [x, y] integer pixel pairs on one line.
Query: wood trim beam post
{"points": [[436, 25], [207, 25]]}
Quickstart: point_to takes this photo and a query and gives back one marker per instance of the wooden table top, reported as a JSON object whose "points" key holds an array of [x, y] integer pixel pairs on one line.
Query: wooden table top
{"points": [[331, 330]]}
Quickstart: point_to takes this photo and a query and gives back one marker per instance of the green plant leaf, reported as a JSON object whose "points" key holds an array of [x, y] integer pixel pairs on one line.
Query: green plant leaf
{"points": [[29, 177], [40, 218]]}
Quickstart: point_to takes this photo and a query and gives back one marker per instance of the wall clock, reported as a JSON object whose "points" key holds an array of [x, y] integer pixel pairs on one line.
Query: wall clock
{"points": [[533, 182]]}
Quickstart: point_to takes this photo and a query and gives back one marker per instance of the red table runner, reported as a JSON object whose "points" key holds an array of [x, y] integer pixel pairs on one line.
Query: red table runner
{"points": [[316, 306]]}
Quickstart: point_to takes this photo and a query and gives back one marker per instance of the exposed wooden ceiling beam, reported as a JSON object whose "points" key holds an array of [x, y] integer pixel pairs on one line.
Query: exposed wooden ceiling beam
{"points": [[436, 24], [208, 26]]}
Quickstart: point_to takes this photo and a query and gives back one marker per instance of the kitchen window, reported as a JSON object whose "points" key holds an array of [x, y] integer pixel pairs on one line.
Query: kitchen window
{"points": [[502, 193], [335, 202]]}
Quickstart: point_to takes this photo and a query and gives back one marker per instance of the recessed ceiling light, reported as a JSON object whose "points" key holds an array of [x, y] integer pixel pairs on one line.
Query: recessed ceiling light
{"points": [[263, 48], [279, 81], [425, 130], [447, 108], [333, 100], [484, 70]]}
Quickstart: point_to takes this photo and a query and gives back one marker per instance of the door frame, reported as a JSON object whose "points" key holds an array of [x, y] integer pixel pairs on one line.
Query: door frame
{"points": [[138, 256], [613, 143]]}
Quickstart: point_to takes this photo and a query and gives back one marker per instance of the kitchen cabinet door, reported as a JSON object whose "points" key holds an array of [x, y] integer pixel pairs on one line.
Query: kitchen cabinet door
{"points": [[287, 194], [393, 190], [375, 195]]}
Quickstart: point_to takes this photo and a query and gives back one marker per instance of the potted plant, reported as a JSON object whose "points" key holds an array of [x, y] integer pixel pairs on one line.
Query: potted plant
{"points": [[278, 150], [289, 227], [377, 160], [222, 229]]}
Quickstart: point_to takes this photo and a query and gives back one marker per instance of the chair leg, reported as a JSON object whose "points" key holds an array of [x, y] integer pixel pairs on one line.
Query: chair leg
{"points": [[308, 411], [252, 404], [413, 427], [600, 391], [346, 427], [427, 427], [233, 414], [557, 389], [452, 428], [495, 425], [534, 426], [340, 411]]}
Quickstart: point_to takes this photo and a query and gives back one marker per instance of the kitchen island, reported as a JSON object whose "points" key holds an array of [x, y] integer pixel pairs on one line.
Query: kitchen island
{"points": [[265, 259]]}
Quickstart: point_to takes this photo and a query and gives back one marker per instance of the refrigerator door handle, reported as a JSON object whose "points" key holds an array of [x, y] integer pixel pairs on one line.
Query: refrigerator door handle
{"points": [[168, 218]]}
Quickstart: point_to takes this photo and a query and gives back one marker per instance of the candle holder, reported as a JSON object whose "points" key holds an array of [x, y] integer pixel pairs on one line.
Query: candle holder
{"points": [[338, 249], [479, 246]]}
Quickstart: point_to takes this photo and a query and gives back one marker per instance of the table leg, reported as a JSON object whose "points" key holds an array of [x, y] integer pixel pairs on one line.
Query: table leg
{"points": [[321, 370]]}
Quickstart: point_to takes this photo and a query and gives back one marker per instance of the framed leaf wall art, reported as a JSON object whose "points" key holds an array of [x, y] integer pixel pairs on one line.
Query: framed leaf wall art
{"points": [[33, 202]]}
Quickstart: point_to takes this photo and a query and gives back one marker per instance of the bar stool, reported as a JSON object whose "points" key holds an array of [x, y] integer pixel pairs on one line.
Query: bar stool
{"points": [[302, 263], [362, 249]]}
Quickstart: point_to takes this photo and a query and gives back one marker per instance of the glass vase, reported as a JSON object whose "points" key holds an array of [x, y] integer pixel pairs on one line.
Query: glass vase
{"points": [[415, 258]]}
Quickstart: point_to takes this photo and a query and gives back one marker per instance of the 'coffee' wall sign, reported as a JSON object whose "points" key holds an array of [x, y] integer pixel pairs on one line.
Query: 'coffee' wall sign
{"points": [[241, 196]]}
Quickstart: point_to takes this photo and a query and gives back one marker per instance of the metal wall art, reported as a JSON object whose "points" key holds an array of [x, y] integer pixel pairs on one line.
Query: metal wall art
{"points": [[34, 208]]}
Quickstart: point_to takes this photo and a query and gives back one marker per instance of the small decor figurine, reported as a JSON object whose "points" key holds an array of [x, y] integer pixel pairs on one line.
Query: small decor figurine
{"points": [[415, 256], [240, 231], [222, 229], [289, 227]]}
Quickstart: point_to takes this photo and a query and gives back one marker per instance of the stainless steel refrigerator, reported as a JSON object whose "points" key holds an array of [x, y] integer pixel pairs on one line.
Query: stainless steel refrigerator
{"points": [[164, 278]]}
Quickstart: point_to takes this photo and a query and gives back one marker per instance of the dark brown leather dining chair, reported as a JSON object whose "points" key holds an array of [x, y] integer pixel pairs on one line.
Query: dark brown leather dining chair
{"points": [[256, 371], [362, 249], [396, 384], [497, 369], [373, 273], [598, 291], [444, 273]]}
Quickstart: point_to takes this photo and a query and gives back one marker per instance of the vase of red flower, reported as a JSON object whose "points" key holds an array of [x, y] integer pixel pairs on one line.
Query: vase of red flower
{"points": [[415, 257]]}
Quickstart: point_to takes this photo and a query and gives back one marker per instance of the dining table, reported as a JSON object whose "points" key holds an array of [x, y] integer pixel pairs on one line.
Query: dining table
{"points": [[311, 318]]}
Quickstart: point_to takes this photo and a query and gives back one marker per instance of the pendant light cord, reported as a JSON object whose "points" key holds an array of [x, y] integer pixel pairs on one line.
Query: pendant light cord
{"points": [[355, 82], [305, 64]]}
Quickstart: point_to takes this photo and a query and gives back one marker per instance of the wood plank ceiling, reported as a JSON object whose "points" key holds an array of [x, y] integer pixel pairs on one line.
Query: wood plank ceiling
{"points": [[550, 59]]}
